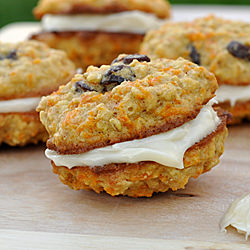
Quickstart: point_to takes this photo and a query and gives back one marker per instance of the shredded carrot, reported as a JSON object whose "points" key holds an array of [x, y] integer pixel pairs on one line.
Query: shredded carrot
{"points": [[30, 80], [37, 61]]}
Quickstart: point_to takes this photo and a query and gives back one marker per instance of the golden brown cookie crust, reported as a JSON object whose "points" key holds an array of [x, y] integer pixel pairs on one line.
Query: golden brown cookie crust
{"points": [[86, 48], [19, 129], [209, 37], [160, 8], [164, 94], [145, 178], [240, 111], [31, 69]]}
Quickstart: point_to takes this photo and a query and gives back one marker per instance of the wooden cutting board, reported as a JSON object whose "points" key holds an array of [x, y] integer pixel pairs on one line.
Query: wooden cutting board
{"points": [[38, 212]]}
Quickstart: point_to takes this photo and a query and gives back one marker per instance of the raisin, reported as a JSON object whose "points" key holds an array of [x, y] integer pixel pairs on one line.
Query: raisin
{"points": [[109, 77], [12, 55], [129, 58], [239, 50], [81, 86], [115, 68], [112, 79], [194, 55], [115, 76]]}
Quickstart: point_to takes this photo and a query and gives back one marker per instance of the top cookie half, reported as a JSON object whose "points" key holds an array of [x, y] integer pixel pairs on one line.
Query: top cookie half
{"points": [[157, 7], [130, 99], [32, 69], [222, 46]]}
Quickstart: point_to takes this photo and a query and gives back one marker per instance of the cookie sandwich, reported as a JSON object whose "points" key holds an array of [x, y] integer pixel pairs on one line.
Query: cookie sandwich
{"points": [[222, 46], [134, 127], [96, 32], [28, 70]]}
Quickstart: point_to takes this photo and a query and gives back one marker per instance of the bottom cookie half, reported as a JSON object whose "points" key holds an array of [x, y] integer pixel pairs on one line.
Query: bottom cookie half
{"points": [[240, 111], [145, 178], [19, 129], [86, 48]]}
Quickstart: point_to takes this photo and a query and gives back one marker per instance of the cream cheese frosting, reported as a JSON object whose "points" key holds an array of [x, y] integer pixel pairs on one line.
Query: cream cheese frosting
{"points": [[128, 21], [165, 148], [238, 215], [19, 105], [232, 93]]}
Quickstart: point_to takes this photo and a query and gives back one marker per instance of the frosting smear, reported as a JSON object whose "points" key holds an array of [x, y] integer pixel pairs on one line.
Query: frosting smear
{"points": [[232, 93], [128, 21], [19, 105]]}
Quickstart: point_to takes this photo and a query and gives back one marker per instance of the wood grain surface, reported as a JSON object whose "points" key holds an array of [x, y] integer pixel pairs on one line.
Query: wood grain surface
{"points": [[22, 240], [34, 204]]}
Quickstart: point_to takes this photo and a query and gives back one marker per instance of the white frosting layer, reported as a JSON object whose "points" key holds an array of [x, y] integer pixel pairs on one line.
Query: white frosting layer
{"points": [[17, 32], [19, 105], [165, 148], [238, 215], [232, 93], [128, 21]]}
